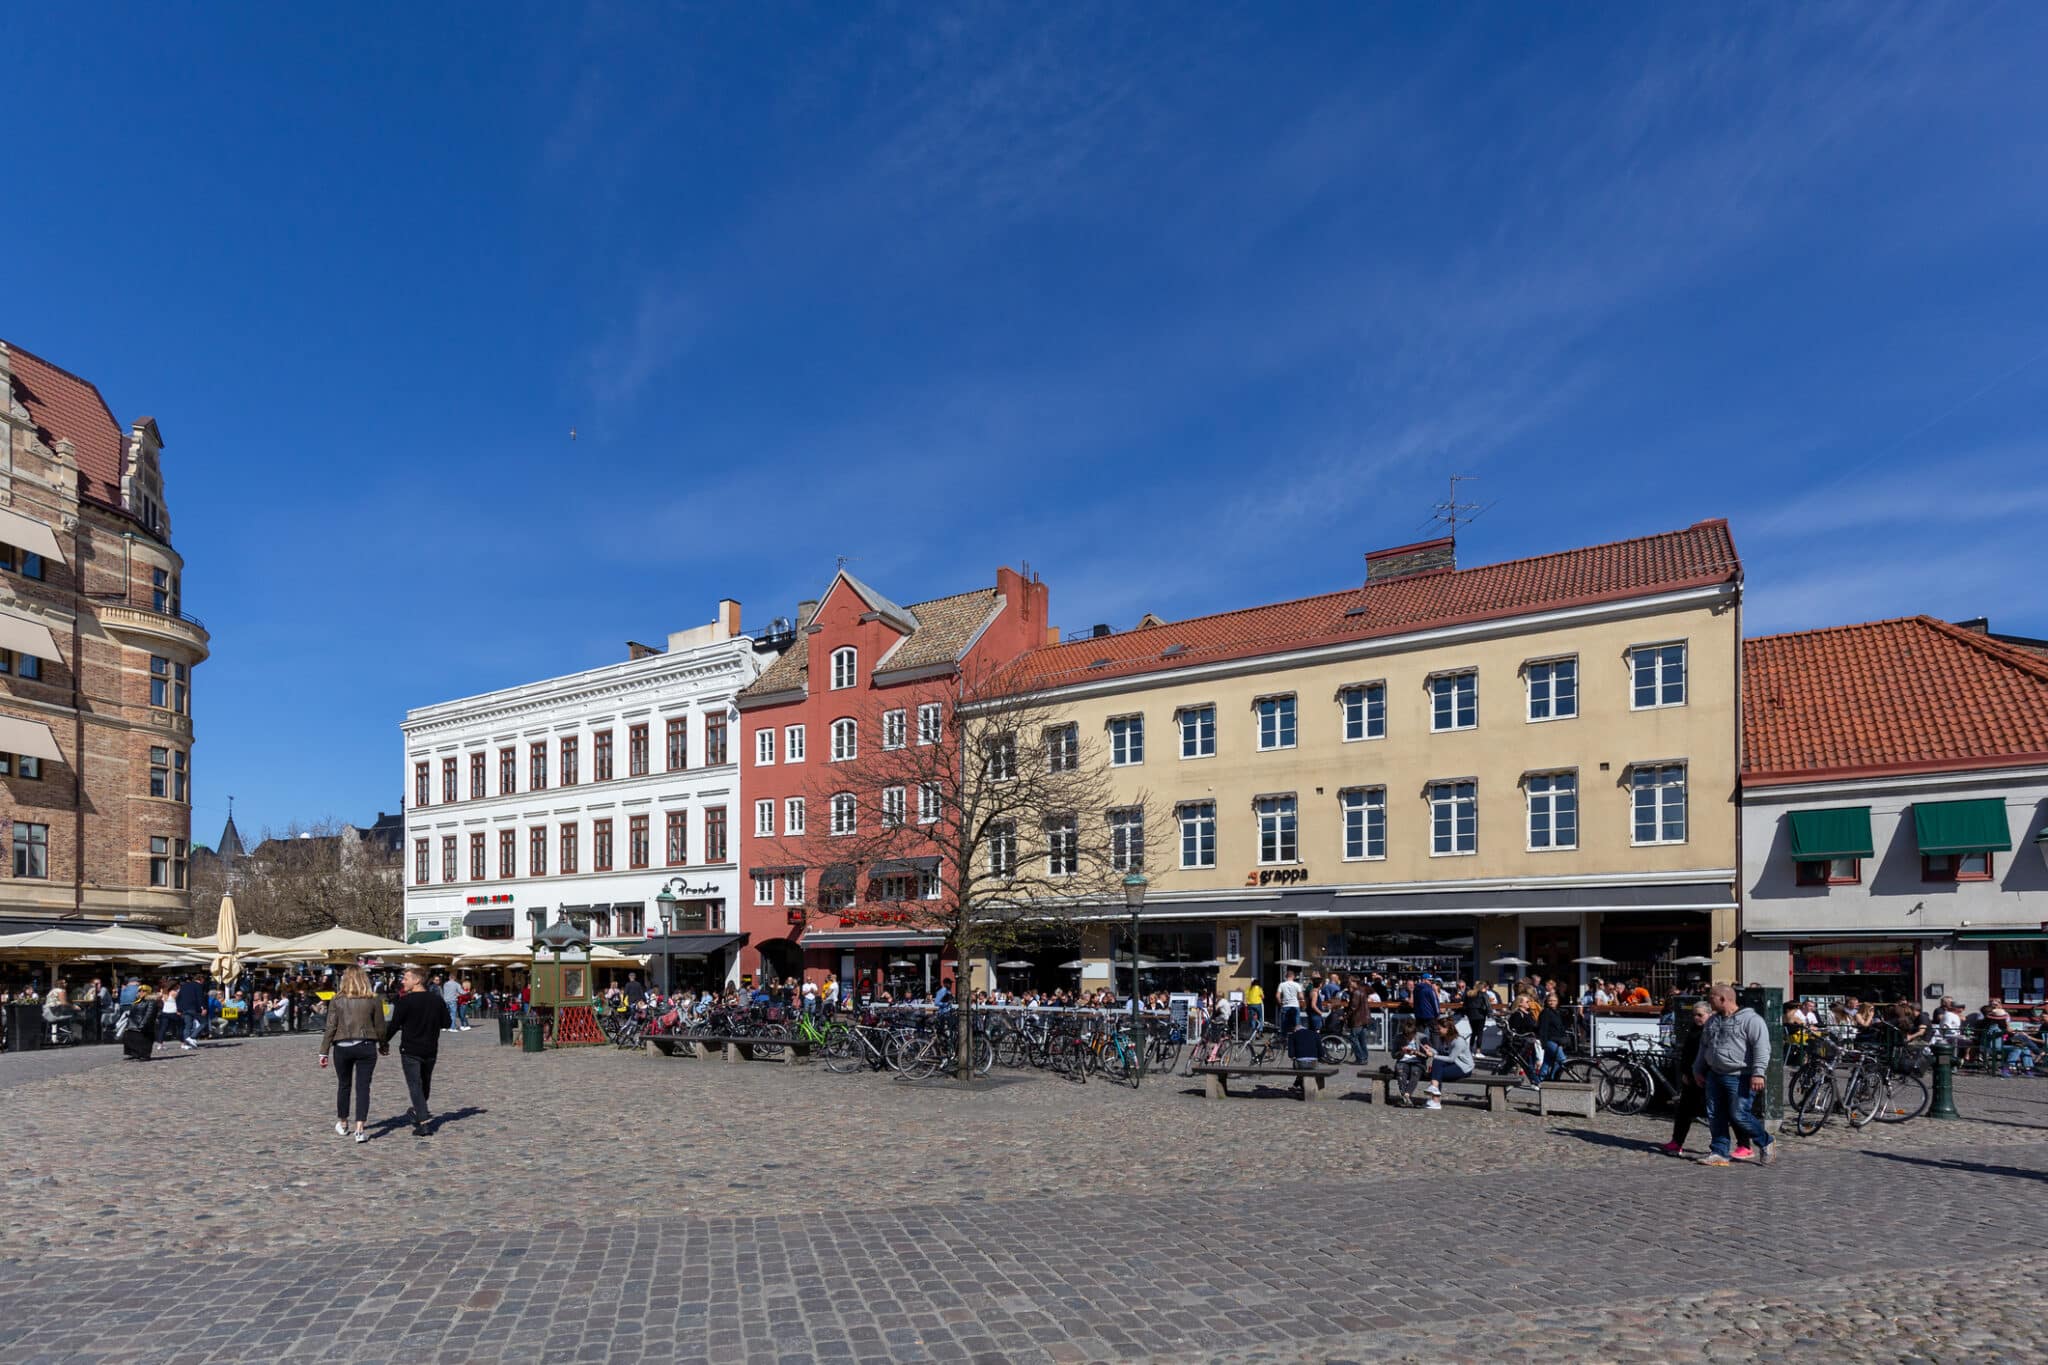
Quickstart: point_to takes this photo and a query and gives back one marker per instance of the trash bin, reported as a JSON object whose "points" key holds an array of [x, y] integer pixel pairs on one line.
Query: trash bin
{"points": [[24, 1028], [529, 1036], [505, 1034]]}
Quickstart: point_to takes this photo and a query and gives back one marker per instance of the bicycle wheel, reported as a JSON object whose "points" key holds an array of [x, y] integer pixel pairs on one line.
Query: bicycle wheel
{"points": [[841, 1051], [769, 1039], [1908, 1099], [1335, 1049], [1630, 1085], [1866, 1095], [1815, 1107], [984, 1055]]}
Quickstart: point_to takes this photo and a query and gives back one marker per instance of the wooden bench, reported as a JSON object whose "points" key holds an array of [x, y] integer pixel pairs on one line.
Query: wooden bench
{"points": [[1216, 1079], [787, 1051], [1493, 1085]]}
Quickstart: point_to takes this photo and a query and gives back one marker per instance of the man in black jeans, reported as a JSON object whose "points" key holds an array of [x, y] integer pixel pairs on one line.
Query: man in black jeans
{"points": [[416, 1022]]}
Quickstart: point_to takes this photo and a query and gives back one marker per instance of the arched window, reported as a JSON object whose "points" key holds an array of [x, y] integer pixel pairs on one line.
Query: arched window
{"points": [[845, 740], [843, 813], [845, 663]]}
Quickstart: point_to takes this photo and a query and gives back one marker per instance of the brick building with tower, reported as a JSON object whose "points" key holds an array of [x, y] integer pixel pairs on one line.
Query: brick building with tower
{"points": [[96, 662]]}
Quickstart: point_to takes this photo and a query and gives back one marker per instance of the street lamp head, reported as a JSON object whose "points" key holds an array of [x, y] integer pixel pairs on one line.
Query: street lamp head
{"points": [[1134, 891]]}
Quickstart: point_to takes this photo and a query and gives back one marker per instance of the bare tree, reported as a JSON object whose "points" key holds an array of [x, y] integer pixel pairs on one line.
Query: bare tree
{"points": [[308, 878], [1000, 821]]}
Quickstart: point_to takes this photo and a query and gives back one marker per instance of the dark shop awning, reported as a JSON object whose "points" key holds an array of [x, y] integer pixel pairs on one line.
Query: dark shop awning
{"points": [[1818, 835], [1974, 826]]}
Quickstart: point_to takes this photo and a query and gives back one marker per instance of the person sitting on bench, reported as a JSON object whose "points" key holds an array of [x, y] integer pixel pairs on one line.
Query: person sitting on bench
{"points": [[1450, 1060]]}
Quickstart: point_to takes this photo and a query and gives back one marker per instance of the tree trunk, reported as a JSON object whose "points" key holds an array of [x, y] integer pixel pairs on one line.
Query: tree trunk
{"points": [[963, 999]]}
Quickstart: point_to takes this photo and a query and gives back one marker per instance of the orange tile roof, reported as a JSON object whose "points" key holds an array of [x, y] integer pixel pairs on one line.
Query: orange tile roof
{"points": [[1910, 695], [61, 404], [1701, 555]]}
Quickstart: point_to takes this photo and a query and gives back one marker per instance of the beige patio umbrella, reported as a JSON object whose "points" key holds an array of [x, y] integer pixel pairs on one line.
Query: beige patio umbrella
{"points": [[335, 945], [58, 946], [452, 948], [498, 954], [227, 942]]}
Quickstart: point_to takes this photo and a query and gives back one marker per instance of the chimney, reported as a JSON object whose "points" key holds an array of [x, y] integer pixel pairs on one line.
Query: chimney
{"points": [[1028, 597], [636, 650], [728, 618], [1405, 561], [1096, 632], [805, 610]]}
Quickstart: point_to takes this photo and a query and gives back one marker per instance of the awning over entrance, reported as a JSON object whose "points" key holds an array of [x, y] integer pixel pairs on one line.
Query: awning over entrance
{"points": [[692, 945], [1837, 933], [24, 636], [1843, 832], [872, 938], [1973, 826], [903, 867], [34, 536], [488, 919], [1699, 896], [30, 737], [2002, 935]]}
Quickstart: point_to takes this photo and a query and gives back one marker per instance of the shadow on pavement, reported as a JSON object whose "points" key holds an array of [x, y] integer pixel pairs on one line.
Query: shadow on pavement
{"points": [[1614, 1140], [1956, 1164]]}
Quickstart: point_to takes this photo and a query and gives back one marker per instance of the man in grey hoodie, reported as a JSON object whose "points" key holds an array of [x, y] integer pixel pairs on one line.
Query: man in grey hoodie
{"points": [[1734, 1059]]}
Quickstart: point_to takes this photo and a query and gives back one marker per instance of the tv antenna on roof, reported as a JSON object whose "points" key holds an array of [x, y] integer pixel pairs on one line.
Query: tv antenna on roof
{"points": [[1450, 513], [841, 561]]}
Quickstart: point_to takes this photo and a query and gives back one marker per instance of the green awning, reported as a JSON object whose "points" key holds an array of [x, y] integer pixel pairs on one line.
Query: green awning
{"points": [[425, 935], [1843, 832], [1976, 826], [2002, 935]]}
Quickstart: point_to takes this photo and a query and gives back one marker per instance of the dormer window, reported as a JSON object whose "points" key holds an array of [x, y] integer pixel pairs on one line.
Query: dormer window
{"points": [[845, 665]]}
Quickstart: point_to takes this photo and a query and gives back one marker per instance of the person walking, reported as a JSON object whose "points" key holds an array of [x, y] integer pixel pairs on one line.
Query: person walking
{"points": [[191, 1011], [1692, 1100], [1734, 1058], [1289, 996], [417, 1021], [1359, 1009], [353, 1038], [1477, 1007], [451, 996]]}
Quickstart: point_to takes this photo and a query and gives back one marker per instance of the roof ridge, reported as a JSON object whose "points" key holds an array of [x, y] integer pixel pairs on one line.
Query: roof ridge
{"points": [[1829, 630], [950, 596], [17, 348], [1354, 591]]}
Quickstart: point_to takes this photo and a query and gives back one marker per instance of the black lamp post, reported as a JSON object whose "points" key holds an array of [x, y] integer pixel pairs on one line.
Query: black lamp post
{"points": [[1134, 901]]}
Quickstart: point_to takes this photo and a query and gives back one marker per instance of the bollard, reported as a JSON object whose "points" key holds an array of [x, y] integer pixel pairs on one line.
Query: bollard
{"points": [[1944, 1106]]}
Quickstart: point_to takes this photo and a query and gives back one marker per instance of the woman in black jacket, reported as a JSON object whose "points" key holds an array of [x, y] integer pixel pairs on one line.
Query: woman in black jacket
{"points": [[1692, 1101], [1554, 1034]]}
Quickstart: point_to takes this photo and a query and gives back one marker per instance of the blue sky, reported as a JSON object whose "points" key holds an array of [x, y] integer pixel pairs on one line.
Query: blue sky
{"points": [[1187, 306]]}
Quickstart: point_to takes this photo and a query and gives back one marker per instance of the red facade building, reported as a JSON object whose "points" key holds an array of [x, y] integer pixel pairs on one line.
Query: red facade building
{"points": [[864, 671]]}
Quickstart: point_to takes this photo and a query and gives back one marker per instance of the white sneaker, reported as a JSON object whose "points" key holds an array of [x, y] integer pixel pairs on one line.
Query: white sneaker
{"points": [[1434, 1104], [340, 1128], [1435, 1089], [188, 1047], [362, 1135]]}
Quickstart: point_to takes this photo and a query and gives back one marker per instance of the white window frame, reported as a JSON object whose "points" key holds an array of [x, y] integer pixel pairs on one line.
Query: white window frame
{"points": [[895, 728], [1001, 758], [1446, 795], [1292, 713], [930, 722], [1655, 654], [793, 815], [1197, 814], [1285, 814], [1062, 748], [764, 888], [1357, 805], [1366, 693], [1531, 797], [845, 739], [764, 818], [1126, 828], [792, 744], [931, 885], [1002, 849], [1450, 680], [1660, 802], [845, 813], [764, 747], [1193, 721], [845, 668], [930, 801], [895, 806], [1062, 846], [1529, 668], [1126, 741], [792, 888]]}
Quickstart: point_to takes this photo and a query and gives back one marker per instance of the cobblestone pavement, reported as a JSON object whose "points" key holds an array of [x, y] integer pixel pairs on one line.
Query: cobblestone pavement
{"points": [[598, 1205]]}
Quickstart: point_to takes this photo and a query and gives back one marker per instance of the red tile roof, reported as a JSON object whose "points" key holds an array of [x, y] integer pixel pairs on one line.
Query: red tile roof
{"points": [[1911, 695], [1702, 555], [61, 404]]}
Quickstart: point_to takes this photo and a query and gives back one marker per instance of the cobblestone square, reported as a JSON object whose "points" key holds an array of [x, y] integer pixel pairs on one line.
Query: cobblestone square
{"points": [[606, 1206]]}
